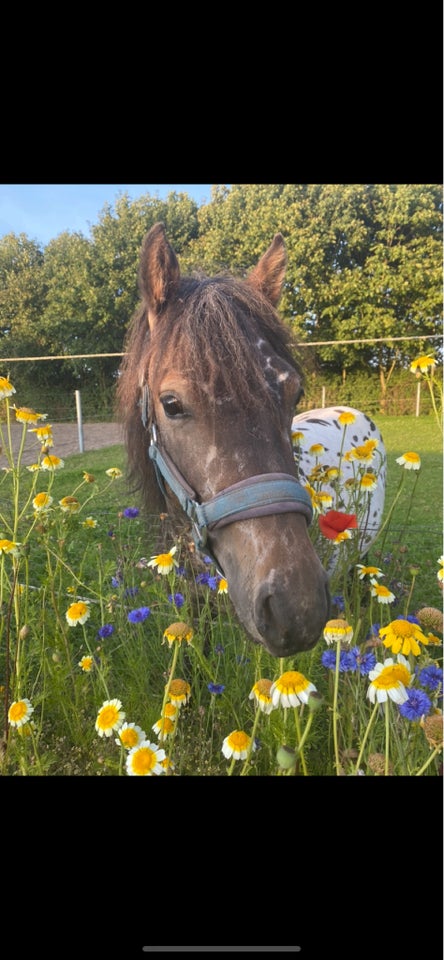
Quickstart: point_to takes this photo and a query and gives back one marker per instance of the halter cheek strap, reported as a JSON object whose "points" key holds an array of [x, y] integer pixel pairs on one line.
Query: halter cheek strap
{"points": [[258, 496]]}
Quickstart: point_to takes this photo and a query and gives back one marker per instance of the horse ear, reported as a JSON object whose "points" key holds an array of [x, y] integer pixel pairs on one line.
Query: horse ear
{"points": [[268, 275], [159, 272]]}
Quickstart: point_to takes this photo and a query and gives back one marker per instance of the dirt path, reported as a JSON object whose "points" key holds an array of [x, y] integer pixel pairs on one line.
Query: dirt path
{"points": [[66, 439]]}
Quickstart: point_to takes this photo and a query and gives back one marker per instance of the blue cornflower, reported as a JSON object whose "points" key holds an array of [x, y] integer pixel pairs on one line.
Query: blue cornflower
{"points": [[207, 580], [181, 571], [208, 560], [329, 660], [219, 648], [105, 631], [431, 677], [139, 615], [216, 687], [416, 706], [410, 617], [115, 581], [177, 598], [339, 603], [362, 662], [131, 591], [131, 512]]}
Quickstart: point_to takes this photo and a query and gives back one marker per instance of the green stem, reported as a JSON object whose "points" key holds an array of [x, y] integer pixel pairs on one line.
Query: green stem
{"points": [[387, 738], [251, 744], [365, 737], [302, 739], [335, 708], [428, 762]]}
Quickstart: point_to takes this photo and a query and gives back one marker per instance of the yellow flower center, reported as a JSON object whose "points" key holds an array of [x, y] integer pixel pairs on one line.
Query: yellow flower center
{"points": [[238, 740], [129, 737], [77, 610], [179, 688], [262, 688], [108, 716], [292, 682], [392, 676], [17, 711], [143, 761]]}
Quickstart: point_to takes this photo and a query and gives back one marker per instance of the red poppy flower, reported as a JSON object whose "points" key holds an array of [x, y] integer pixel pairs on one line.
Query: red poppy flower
{"points": [[334, 522]]}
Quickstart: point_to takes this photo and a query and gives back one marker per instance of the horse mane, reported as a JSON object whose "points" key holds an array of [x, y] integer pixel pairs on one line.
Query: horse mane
{"points": [[211, 330]]}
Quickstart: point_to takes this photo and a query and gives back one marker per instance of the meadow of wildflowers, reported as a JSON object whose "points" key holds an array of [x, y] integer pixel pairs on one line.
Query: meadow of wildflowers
{"points": [[116, 659]]}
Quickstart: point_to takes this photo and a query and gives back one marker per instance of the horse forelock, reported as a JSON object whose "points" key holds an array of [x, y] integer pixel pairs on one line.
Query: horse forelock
{"points": [[213, 334], [221, 334]]}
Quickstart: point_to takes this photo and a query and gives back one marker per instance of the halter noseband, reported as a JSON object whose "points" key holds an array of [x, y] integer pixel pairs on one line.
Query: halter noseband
{"points": [[258, 496]]}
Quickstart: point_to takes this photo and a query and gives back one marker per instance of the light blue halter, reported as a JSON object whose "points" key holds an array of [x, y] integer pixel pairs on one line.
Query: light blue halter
{"points": [[258, 496]]}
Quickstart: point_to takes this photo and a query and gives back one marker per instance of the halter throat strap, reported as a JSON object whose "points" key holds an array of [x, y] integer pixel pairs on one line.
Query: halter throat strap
{"points": [[258, 496]]}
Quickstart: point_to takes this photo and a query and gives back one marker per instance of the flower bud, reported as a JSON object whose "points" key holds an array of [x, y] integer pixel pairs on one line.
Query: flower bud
{"points": [[286, 757]]}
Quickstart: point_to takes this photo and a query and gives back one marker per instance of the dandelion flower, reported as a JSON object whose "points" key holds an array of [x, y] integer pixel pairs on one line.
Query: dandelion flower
{"points": [[402, 636], [409, 460], [422, 364], [236, 745], [43, 434], [145, 760], [86, 663], [179, 692], [20, 712], [42, 502], [88, 477], [382, 593], [164, 562], [114, 473], [109, 717], [364, 571], [50, 462], [291, 689], [26, 415], [177, 632], [164, 727], [346, 417], [89, 523], [335, 630], [261, 695], [70, 504], [130, 736], [10, 547], [389, 681], [6, 388], [78, 613]]}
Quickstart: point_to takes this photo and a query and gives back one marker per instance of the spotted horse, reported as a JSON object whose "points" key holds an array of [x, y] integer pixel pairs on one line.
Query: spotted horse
{"points": [[343, 444]]}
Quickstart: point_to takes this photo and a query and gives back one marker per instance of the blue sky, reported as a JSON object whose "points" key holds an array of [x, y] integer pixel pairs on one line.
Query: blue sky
{"points": [[43, 210]]}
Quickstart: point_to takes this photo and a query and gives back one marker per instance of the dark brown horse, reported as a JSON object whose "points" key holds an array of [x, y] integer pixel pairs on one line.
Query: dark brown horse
{"points": [[207, 393]]}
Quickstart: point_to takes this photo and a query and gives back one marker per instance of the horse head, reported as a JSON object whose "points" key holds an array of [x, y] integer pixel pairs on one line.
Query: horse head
{"points": [[209, 387]]}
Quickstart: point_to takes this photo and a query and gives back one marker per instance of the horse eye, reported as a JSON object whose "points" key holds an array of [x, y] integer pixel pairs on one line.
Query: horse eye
{"points": [[172, 406]]}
